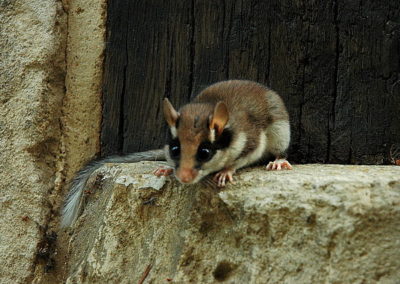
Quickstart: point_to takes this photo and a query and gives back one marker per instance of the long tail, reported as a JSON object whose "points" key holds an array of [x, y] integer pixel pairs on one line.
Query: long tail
{"points": [[74, 198]]}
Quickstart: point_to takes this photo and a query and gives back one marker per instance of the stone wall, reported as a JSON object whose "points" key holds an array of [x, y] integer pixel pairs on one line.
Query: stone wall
{"points": [[32, 63], [314, 224], [51, 55]]}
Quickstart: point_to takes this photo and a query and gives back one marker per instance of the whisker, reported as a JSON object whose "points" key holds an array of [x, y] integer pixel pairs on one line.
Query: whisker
{"points": [[208, 181]]}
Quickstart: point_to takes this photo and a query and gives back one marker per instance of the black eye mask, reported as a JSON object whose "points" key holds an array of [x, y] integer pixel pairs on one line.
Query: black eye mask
{"points": [[207, 150], [224, 140]]}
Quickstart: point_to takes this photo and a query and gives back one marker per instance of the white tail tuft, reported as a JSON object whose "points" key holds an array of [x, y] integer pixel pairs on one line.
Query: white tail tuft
{"points": [[74, 198]]}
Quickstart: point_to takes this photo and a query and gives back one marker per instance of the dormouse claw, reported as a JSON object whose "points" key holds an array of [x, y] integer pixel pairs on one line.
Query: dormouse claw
{"points": [[224, 175], [161, 171], [279, 164]]}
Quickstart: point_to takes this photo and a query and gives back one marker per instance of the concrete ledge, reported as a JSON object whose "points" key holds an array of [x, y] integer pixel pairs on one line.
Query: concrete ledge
{"points": [[315, 224]]}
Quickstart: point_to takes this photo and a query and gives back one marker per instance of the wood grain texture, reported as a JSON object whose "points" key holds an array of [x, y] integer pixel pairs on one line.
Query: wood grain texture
{"points": [[335, 63]]}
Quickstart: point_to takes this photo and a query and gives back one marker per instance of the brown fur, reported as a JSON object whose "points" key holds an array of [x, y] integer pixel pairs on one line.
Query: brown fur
{"points": [[192, 130], [251, 106]]}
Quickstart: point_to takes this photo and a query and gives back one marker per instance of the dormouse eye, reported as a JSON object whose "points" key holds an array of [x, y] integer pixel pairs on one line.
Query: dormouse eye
{"points": [[204, 154], [175, 151]]}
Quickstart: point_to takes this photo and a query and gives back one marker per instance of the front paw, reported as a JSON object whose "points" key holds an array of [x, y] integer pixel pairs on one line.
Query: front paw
{"points": [[162, 171], [223, 176], [279, 164]]}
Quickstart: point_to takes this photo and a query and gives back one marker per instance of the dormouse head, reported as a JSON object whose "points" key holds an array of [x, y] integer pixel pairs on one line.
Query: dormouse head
{"points": [[199, 134]]}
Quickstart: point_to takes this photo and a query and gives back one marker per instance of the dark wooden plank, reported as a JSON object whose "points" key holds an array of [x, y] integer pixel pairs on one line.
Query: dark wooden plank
{"points": [[114, 77], [367, 104], [302, 70], [248, 40], [335, 63], [159, 65], [209, 54]]}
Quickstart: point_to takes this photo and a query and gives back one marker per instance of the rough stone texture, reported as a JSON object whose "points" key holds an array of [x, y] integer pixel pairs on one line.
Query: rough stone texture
{"points": [[82, 103], [81, 112], [32, 56], [45, 134], [315, 224]]}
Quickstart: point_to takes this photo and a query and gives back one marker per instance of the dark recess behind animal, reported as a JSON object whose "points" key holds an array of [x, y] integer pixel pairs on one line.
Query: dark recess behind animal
{"points": [[335, 63]]}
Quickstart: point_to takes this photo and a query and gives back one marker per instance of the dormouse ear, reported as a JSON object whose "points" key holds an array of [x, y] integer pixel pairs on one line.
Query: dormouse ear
{"points": [[219, 118], [170, 114]]}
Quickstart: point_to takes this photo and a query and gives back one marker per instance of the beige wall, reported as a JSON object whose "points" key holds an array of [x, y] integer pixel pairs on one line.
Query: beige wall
{"points": [[51, 56]]}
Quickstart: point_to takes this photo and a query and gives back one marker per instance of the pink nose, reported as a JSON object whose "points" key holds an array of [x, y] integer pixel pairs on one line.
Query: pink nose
{"points": [[186, 175]]}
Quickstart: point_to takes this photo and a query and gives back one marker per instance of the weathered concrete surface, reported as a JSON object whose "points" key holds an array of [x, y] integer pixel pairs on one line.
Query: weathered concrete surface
{"points": [[45, 134], [315, 224], [82, 103], [32, 64], [81, 111]]}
